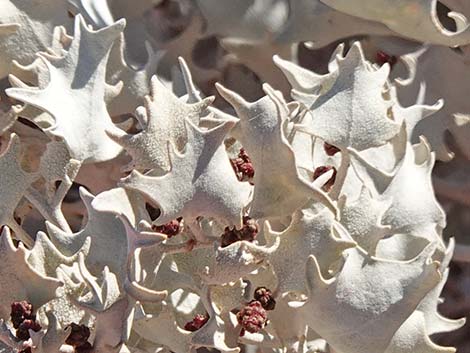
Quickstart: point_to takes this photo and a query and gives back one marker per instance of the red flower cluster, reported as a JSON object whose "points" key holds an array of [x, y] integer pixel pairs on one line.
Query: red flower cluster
{"points": [[23, 320], [242, 166], [196, 323], [247, 232], [253, 316], [78, 338], [265, 297], [171, 228]]}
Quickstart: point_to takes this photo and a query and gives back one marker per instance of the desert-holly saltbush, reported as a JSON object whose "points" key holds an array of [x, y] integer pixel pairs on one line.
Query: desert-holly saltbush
{"points": [[301, 221]]}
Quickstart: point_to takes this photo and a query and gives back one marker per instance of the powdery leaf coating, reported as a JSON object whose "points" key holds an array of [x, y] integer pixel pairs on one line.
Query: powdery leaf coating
{"points": [[219, 332], [306, 81], [137, 79], [371, 244], [45, 258], [56, 163], [235, 261], [111, 309], [162, 119], [105, 231], [161, 328], [435, 322], [353, 112], [414, 335], [286, 325], [14, 182], [425, 120], [362, 218], [201, 180], [52, 339], [308, 234], [18, 22], [18, 279], [414, 208], [279, 189], [446, 82], [81, 117], [228, 296], [368, 295], [120, 201]]}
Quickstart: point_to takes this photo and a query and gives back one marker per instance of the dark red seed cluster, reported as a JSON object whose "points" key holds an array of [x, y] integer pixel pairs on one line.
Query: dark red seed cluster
{"points": [[382, 57], [322, 170], [330, 149], [252, 317], [170, 229], [21, 311], [78, 338], [243, 166], [23, 320], [22, 332], [196, 323], [265, 297], [247, 232]]}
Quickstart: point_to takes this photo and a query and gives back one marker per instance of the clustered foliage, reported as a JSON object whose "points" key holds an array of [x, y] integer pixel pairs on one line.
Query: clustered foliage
{"points": [[141, 215]]}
